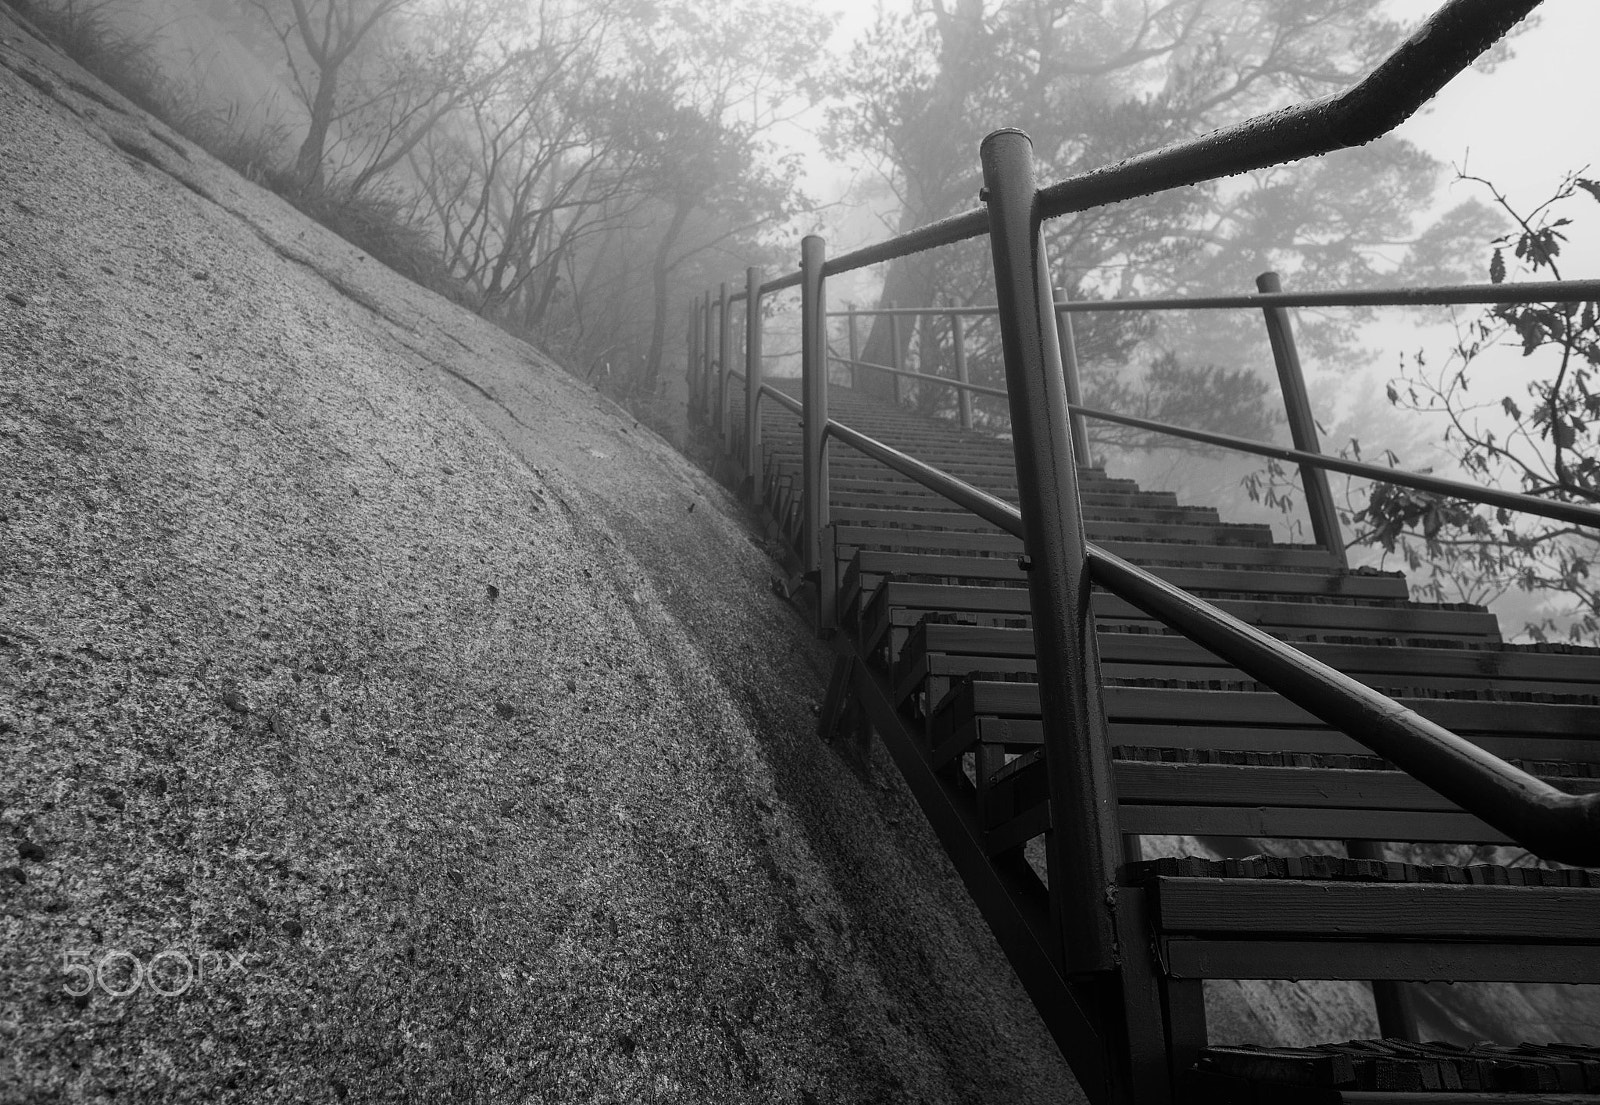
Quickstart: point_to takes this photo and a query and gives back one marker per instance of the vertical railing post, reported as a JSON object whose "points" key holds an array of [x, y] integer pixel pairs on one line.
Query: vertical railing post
{"points": [[958, 340], [1069, 365], [855, 347], [1302, 423], [752, 380], [724, 365], [1082, 842], [814, 389], [691, 368], [706, 360], [897, 356]]}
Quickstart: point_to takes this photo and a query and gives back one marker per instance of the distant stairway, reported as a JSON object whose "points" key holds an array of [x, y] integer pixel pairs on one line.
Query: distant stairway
{"points": [[931, 621]]}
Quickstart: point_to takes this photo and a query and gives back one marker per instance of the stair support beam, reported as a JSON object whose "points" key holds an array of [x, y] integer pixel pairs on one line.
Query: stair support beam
{"points": [[1083, 845], [1006, 892]]}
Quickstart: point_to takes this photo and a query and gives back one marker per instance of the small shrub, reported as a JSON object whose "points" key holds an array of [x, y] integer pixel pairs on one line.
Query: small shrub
{"points": [[374, 221], [256, 151], [377, 223], [86, 33]]}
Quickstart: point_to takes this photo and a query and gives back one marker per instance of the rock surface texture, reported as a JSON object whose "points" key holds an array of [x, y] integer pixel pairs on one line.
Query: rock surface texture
{"points": [[379, 722]]}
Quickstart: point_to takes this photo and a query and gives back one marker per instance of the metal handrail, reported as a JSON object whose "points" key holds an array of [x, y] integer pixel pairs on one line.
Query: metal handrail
{"points": [[980, 389], [1489, 496], [1556, 824], [991, 509], [1532, 291], [779, 283], [784, 400]]}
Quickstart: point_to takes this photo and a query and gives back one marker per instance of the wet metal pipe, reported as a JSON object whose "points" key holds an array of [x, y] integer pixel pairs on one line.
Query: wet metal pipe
{"points": [[1082, 846], [724, 366], [1325, 526], [958, 342], [1069, 365], [1489, 496], [997, 512], [814, 386], [692, 364], [788, 402], [706, 356], [1531, 291], [752, 378], [957, 384]]}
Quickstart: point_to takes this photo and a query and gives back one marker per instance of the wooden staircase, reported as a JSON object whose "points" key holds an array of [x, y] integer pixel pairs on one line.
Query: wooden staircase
{"points": [[932, 626]]}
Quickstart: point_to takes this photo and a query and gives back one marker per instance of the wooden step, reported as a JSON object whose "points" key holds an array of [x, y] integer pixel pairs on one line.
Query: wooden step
{"points": [[1137, 713], [1206, 798], [902, 604], [1504, 672], [1295, 796], [1099, 529], [1395, 1072], [1368, 585], [994, 543], [1279, 918], [842, 498]]}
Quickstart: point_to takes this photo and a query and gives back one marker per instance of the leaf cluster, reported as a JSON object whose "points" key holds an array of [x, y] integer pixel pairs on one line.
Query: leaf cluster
{"points": [[1545, 442]]}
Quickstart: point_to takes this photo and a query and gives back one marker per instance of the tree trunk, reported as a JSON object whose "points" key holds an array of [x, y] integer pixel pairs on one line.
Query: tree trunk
{"points": [[933, 189], [911, 282], [308, 165], [660, 270]]}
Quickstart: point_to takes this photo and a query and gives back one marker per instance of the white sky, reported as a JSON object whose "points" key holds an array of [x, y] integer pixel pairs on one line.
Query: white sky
{"points": [[1523, 125]]}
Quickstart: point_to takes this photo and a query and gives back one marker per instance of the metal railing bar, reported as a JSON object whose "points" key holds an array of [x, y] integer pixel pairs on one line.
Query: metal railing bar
{"points": [[1555, 824], [956, 228], [995, 511], [1539, 291], [737, 375], [1511, 500], [923, 376], [784, 400], [778, 283], [1443, 46], [863, 312], [1533, 291], [1489, 496]]}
